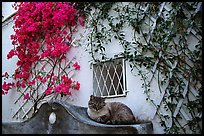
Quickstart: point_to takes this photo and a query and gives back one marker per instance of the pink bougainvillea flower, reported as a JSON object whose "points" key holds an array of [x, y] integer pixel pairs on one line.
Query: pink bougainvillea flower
{"points": [[63, 88], [39, 77], [77, 86], [11, 54], [7, 86], [44, 80], [67, 92], [57, 89], [4, 92], [5, 74], [64, 32], [81, 21], [18, 84], [48, 76], [43, 68], [31, 82], [76, 66], [26, 96], [66, 80], [48, 91], [23, 84]]}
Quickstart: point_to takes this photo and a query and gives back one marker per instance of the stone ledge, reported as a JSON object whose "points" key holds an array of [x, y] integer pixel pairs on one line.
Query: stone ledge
{"points": [[70, 119]]}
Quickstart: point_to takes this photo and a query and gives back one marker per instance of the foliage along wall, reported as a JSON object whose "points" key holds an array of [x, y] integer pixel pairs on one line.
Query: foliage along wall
{"points": [[165, 44]]}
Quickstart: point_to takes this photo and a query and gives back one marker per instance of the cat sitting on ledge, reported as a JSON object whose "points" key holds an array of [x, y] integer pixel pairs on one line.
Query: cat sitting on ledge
{"points": [[115, 113]]}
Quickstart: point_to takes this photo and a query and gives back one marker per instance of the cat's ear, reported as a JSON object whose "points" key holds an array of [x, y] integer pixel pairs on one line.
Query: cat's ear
{"points": [[103, 98], [91, 97]]}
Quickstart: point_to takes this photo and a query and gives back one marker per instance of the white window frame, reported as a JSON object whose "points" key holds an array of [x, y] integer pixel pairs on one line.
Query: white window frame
{"points": [[97, 88]]}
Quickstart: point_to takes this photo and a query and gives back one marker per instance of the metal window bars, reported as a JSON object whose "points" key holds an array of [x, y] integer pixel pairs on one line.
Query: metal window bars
{"points": [[109, 78]]}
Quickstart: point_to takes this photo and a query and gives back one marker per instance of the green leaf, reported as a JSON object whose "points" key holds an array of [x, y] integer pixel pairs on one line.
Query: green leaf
{"points": [[96, 50], [137, 29], [57, 81]]}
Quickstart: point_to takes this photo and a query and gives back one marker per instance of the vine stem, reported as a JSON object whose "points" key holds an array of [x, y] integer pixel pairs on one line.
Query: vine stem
{"points": [[43, 94]]}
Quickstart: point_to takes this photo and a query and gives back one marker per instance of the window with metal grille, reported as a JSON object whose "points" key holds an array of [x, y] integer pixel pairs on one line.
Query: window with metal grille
{"points": [[109, 78]]}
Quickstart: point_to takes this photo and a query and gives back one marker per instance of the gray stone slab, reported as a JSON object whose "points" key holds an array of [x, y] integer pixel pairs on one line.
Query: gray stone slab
{"points": [[70, 119]]}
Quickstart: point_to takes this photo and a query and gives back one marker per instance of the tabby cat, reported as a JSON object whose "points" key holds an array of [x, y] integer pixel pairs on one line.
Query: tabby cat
{"points": [[109, 112]]}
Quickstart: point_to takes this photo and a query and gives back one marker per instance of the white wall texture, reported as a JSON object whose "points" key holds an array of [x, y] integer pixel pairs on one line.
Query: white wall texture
{"points": [[7, 9], [135, 99], [8, 107]]}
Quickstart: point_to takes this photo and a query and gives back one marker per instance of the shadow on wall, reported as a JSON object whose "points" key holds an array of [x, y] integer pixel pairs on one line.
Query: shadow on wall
{"points": [[57, 117]]}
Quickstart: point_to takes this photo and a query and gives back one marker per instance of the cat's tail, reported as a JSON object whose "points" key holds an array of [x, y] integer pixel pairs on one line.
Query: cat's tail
{"points": [[142, 121], [139, 121]]}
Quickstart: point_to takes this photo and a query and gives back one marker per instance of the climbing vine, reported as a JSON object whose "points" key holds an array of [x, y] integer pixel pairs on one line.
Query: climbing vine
{"points": [[159, 48]]}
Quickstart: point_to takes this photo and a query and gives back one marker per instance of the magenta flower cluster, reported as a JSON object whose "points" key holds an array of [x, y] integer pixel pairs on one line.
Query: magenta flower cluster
{"points": [[51, 22]]}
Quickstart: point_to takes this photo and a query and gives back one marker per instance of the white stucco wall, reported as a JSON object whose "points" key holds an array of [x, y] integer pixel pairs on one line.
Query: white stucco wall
{"points": [[8, 107], [135, 99], [7, 9]]}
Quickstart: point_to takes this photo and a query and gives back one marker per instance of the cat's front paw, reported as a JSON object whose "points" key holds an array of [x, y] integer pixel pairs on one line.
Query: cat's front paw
{"points": [[113, 122], [108, 122], [100, 120]]}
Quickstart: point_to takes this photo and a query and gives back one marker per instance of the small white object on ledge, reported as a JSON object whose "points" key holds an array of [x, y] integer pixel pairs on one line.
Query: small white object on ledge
{"points": [[52, 118]]}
